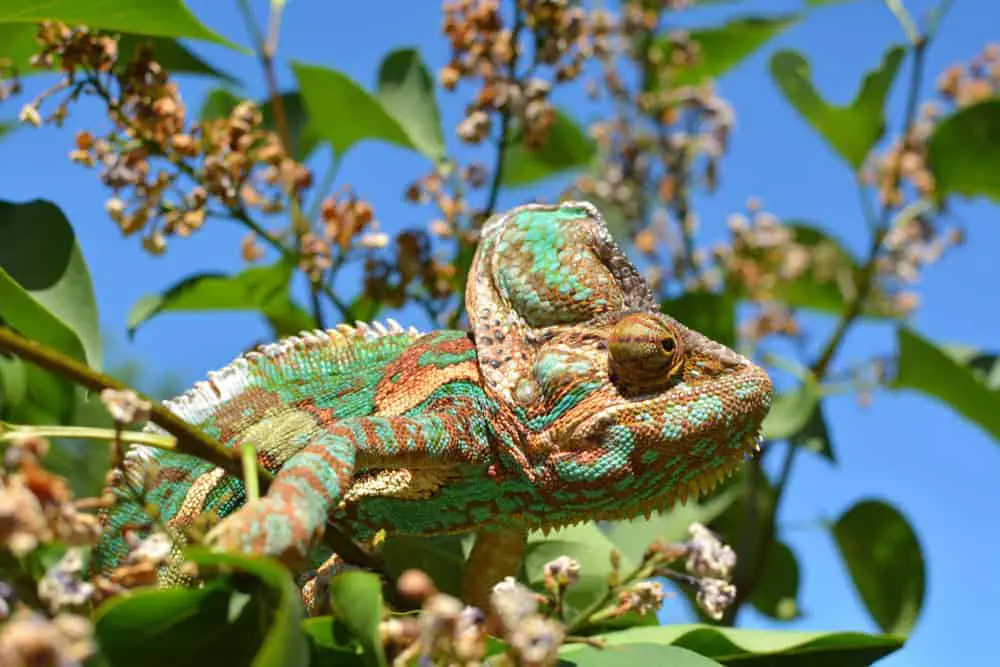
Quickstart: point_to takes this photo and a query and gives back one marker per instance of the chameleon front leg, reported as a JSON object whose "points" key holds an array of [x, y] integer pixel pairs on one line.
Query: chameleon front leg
{"points": [[288, 521]]}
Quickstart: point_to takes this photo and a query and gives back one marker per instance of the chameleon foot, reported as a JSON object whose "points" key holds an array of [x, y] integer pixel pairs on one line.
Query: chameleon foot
{"points": [[269, 527]]}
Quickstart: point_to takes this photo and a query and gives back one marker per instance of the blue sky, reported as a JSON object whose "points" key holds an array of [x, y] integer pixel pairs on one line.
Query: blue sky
{"points": [[939, 470]]}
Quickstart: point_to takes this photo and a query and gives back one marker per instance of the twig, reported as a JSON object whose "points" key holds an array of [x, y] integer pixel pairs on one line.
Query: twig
{"points": [[505, 115], [189, 439]]}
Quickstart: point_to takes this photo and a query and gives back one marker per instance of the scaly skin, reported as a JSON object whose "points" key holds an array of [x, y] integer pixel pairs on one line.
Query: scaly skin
{"points": [[571, 399]]}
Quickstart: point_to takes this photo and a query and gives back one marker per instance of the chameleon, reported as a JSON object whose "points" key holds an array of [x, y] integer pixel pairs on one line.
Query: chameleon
{"points": [[570, 398]]}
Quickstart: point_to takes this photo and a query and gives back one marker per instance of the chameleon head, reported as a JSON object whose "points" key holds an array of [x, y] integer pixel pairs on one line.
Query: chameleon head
{"points": [[649, 412], [622, 409]]}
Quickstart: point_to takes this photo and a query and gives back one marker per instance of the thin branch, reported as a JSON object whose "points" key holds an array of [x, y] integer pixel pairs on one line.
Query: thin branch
{"points": [[190, 440], [505, 116], [746, 586]]}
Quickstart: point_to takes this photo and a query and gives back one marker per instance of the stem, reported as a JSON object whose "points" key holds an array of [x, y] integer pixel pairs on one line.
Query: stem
{"points": [[591, 612], [505, 116], [248, 458], [9, 432], [748, 579], [189, 439]]}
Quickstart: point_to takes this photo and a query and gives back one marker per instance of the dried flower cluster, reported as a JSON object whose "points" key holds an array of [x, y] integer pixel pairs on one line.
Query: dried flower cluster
{"points": [[708, 564], [37, 510], [662, 140], [30, 639], [36, 506], [166, 172], [487, 48]]}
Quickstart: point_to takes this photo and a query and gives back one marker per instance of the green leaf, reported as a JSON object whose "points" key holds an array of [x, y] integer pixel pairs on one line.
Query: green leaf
{"points": [[777, 592], [45, 287], [592, 549], [172, 55], [926, 368], [441, 557], [722, 48], [815, 435], [712, 314], [13, 384], [343, 112], [984, 365], [406, 90], [356, 598], [791, 411], [165, 18], [18, 44], [566, 148], [632, 537], [283, 643], [758, 648], [262, 289], [964, 149], [326, 647], [220, 102], [883, 555], [629, 654], [243, 620], [851, 130], [365, 309]]}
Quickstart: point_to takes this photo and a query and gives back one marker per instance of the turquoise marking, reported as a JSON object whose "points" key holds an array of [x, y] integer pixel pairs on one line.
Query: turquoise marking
{"points": [[565, 403]]}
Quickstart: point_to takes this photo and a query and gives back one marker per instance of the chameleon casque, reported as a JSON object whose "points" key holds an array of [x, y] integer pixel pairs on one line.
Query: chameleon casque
{"points": [[571, 398]]}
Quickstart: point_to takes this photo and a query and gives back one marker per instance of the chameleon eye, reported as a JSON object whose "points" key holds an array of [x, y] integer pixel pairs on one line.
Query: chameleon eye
{"points": [[644, 350]]}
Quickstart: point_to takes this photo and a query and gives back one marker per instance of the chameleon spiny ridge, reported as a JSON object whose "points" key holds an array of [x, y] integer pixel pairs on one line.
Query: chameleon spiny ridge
{"points": [[572, 398]]}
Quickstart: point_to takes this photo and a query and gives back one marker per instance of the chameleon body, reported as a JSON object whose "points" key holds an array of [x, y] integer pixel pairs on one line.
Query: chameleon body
{"points": [[571, 398]]}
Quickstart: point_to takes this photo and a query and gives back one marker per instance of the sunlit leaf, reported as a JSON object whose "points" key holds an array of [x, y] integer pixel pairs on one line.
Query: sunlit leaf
{"points": [[166, 18], [722, 48], [343, 113], [262, 289], [926, 368], [567, 147], [883, 555], [406, 90], [964, 150], [850, 130], [625, 655], [737, 646]]}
